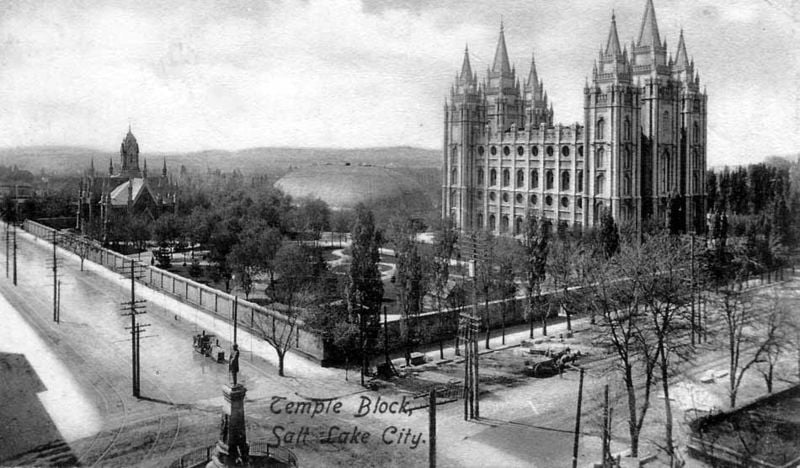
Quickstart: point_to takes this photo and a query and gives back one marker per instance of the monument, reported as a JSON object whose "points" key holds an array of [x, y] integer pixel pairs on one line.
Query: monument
{"points": [[232, 448]]}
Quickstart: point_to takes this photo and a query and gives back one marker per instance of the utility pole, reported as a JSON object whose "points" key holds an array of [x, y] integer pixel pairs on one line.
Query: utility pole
{"points": [[577, 424], [56, 318], [8, 239], [386, 339], [134, 308], [235, 315], [692, 292], [14, 235], [469, 327], [606, 437], [432, 429]]}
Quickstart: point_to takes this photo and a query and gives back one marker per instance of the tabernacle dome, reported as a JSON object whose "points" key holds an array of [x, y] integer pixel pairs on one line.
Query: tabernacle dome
{"points": [[342, 187]]}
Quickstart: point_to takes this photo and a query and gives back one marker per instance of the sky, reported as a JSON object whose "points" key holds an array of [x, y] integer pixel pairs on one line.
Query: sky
{"points": [[192, 75]]}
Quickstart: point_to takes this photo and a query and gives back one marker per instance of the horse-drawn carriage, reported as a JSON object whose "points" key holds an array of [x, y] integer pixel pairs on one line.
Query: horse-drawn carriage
{"points": [[202, 343], [546, 363]]}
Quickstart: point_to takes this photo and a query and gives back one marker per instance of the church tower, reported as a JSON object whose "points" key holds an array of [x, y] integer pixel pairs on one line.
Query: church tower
{"points": [[612, 112], [129, 154], [462, 123]]}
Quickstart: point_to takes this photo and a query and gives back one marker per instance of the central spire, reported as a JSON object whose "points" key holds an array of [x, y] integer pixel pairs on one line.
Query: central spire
{"points": [[648, 33], [501, 63], [466, 68], [612, 45]]}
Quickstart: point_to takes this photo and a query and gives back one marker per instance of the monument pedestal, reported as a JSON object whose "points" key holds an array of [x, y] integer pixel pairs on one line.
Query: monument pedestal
{"points": [[232, 448]]}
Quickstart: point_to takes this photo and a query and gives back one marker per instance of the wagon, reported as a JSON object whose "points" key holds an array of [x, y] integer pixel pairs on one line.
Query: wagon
{"points": [[546, 365], [202, 344]]}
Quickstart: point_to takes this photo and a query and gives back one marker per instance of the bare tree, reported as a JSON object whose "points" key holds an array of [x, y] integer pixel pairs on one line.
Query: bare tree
{"points": [[615, 295], [666, 291], [299, 269], [440, 274], [535, 243]]}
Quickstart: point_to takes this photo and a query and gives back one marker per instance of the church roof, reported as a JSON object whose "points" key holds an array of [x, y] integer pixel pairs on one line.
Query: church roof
{"points": [[119, 196]]}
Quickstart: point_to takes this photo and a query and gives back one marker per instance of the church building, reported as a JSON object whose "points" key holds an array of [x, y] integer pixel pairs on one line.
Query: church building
{"points": [[640, 152], [129, 191]]}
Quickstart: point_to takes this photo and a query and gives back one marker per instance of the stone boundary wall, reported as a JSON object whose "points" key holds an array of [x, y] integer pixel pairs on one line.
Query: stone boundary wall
{"points": [[249, 316]]}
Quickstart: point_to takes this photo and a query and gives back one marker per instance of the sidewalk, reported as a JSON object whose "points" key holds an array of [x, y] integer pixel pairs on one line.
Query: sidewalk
{"points": [[515, 335]]}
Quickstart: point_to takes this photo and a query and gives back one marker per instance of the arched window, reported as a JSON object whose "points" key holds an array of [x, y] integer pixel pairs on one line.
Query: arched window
{"points": [[601, 129], [565, 180], [600, 185], [506, 178], [480, 176], [480, 220], [665, 122], [504, 225], [518, 226], [535, 178], [580, 181], [626, 184], [453, 196], [492, 223], [626, 159], [454, 176], [493, 177], [599, 160], [627, 129], [454, 154], [696, 133], [550, 180], [520, 178]]}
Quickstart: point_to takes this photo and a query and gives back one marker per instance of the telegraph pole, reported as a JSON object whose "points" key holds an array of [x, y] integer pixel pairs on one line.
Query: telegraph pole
{"points": [[692, 292], [134, 308], [432, 429], [577, 423], [14, 235], [56, 318]]}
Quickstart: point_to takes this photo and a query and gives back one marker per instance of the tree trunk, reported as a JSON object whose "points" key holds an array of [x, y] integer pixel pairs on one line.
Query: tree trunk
{"points": [[768, 377], [281, 355], [544, 319], [488, 328], [633, 427], [667, 407], [503, 322], [566, 311], [530, 320]]}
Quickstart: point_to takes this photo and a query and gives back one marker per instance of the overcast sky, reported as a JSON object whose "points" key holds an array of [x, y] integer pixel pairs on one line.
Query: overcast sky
{"points": [[202, 74]]}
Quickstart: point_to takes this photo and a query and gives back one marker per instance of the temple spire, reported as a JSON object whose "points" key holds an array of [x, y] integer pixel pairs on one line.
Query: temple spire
{"points": [[164, 168], [466, 68], [648, 33], [612, 45], [501, 63], [682, 59], [533, 76]]}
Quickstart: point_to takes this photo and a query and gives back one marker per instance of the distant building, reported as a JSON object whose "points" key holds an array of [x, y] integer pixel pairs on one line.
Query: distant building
{"points": [[343, 187], [128, 191], [640, 152]]}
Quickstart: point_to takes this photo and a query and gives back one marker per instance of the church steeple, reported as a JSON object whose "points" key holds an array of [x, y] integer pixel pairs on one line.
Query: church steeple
{"points": [[501, 63], [648, 33], [612, 45], [533, 77], [682, 59], [164, 168], [466, 68]]}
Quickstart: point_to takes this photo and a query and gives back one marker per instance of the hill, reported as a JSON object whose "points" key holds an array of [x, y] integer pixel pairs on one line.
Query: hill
{"points": [[72, 160]]}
